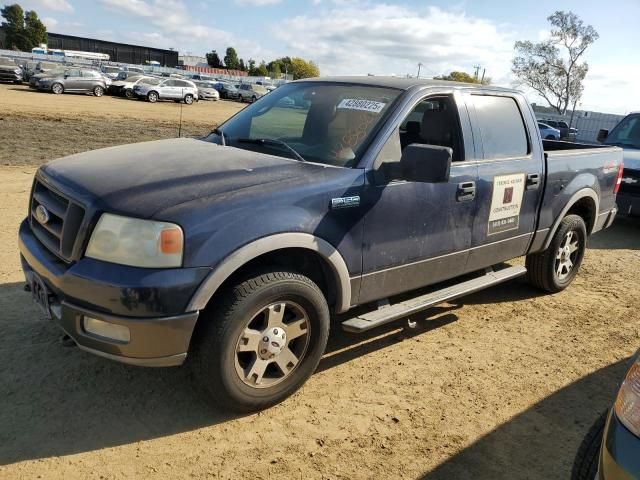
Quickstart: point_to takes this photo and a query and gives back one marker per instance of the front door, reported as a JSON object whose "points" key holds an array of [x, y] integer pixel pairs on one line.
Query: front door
{"points": [[419, 233], [510, 176], [72, 80]]}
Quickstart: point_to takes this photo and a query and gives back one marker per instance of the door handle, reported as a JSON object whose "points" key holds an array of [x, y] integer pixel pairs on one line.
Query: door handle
{"points": [[533, 181], [466, 191]]}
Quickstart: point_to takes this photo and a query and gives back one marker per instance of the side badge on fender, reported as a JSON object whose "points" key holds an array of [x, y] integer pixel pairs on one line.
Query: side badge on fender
{"points": [[345, 202]]}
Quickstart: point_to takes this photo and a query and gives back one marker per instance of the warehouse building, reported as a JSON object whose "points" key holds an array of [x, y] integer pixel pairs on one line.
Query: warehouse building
{"points": [[118, 52]]}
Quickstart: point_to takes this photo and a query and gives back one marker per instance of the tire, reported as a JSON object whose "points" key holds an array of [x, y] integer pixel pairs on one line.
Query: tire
{"points": [[128, 93], [98, 91], [253, 99], [585, 465], [57, 88], [188, 99], [555, 268], [152, 96], [225, 366]]}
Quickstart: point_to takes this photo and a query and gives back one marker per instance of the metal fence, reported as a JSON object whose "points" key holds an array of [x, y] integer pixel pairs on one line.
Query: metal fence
{"points": [[587, 123]]}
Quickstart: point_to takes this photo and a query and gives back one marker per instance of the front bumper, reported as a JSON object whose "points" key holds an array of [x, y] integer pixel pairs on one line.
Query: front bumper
{"points": [[150, 303], [620, 452]]}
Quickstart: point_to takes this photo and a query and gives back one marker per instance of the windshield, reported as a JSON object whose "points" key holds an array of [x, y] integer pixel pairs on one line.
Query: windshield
{"points": [[327, 123], [149, 81], [626, 133]]}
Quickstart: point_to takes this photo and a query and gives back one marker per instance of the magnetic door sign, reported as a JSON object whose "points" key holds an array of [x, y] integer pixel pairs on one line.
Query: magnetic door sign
{"points": [[506, 203]]}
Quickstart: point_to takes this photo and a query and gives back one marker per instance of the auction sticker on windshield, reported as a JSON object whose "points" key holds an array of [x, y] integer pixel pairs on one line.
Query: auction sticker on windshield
{"points": [[364, 105], [505, 203]]}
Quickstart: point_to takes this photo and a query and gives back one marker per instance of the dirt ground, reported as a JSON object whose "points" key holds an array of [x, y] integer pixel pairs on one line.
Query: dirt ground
{"points": [[503, 384], [36, 126]]}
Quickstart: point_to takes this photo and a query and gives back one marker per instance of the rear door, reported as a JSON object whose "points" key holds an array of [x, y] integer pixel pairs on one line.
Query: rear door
{"points": [[510, 176]]}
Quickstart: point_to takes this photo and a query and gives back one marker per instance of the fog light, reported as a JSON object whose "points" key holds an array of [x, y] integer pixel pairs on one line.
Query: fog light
{"points": [[106, 330]]}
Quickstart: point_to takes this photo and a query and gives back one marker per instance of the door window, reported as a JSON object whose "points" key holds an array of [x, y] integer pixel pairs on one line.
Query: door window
{"points": [[501, 127]]}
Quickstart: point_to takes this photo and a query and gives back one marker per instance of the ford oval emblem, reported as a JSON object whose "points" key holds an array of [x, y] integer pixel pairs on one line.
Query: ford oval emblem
{"points": [[42, 214]]}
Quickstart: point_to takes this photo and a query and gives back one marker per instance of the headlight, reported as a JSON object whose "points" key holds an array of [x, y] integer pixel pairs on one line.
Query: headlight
{"points": [[136, 242], [627, 405]]}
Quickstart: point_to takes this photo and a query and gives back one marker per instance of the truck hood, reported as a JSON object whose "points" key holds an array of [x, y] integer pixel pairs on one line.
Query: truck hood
{"points": [[631, 159], [145, 178]]}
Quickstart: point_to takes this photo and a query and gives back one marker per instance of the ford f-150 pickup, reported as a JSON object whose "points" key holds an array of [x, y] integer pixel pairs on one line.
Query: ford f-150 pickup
{"points": [[235, 249]]}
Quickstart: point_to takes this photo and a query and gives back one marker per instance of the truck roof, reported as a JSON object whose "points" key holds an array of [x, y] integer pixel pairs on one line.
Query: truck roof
{"points": [[402, 83]]}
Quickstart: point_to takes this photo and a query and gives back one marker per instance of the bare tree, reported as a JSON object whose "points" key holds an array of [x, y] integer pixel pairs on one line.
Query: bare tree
{"points": [[551, 67]]}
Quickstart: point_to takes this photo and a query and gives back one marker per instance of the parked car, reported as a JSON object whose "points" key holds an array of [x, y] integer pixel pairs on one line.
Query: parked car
{"points": [[200, 77], [547, 132], [627, 136], [125, 87], [227, 90], [34, 79], [74, 80], [611, 448], [566, 133], [169, 89], [207, 91], [251, 92], [10, 71], [111, 71], [235, 248]]}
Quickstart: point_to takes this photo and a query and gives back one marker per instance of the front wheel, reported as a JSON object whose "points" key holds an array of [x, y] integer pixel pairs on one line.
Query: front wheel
{"points": [[188, 99], [152, 97], [585, 465], [57, 88], [555, 268], [128, 93], [253, 99], [262, 341], [98, 91]]}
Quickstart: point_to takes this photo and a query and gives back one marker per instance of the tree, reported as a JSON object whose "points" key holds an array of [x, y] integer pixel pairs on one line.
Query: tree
{"points": [[300, 68], [463, 77], [242, 66], [14, 26], [262, 71], [251, 67], [34, 29], [276, 70], [231, 59], [213, 59], [552, 67]]}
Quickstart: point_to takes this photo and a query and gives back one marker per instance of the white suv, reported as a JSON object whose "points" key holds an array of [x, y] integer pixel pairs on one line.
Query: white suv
{"points": [[169, 89]]}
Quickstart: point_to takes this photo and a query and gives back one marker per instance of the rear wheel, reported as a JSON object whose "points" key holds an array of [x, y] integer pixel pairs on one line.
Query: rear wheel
{"points": [[152, 97], [555, 268], [98, 91], [57, 88], [585, 465], [262, 341], [253, 99], [188, 99]]}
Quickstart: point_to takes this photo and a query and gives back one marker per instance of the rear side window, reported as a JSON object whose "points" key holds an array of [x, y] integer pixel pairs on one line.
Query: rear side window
{"points": [[501, 127]]}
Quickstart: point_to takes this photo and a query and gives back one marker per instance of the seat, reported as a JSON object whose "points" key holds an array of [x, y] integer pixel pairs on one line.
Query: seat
{"points": [[435, 128], [412, 134]]}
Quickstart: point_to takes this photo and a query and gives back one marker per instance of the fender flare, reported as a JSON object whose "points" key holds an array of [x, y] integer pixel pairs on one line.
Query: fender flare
{"points": [[579, 195], [272, 243]]}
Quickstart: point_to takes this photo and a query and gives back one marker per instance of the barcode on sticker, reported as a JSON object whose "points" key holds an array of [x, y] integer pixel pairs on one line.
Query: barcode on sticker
{"points": [[364, 105]]}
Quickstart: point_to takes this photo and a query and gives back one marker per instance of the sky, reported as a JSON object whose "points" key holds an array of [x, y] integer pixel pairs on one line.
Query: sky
{"points": [[362, 37]]}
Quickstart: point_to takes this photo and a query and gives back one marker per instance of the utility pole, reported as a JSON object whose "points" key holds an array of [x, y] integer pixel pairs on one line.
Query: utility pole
{"points": [[419, 65], [477, 67], [484, 70]]}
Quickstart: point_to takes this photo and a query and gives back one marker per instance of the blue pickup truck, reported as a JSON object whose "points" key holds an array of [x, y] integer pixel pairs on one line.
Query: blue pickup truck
{"points": [[237, 248]]}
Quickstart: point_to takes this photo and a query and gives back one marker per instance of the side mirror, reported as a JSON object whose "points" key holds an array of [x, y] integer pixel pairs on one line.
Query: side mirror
{"points": [[426, 163], [603, 133]]}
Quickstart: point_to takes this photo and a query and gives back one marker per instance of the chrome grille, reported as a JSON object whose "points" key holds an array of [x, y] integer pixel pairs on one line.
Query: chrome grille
{"points": [[59, 234]]}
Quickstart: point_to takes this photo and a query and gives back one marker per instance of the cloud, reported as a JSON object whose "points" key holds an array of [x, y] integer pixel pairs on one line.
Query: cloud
{"points": [[258, 3], [360, 37], [55, 5], [50, 23]]}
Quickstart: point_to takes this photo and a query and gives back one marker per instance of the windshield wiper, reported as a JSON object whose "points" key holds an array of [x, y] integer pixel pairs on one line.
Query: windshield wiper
{"points": [[272, 141], [220, 133]]}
